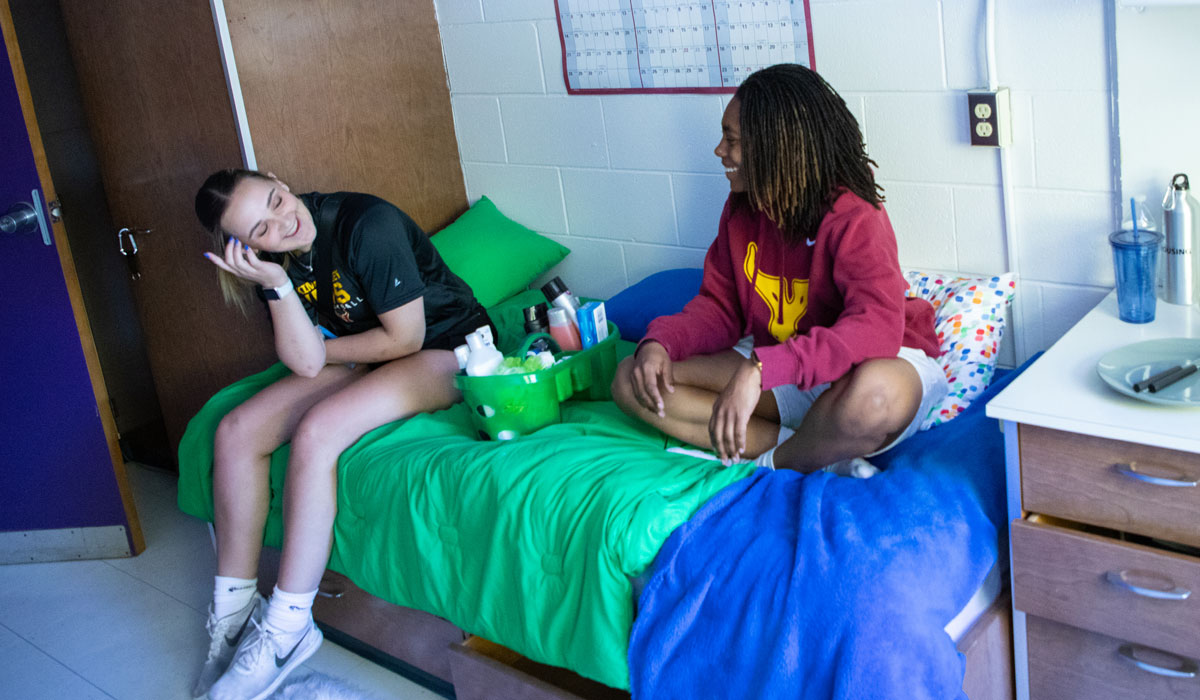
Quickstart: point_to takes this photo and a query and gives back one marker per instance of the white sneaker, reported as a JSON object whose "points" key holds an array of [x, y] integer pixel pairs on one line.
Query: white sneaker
{"points": [[856, 468], [262, 662], [225, 635]]}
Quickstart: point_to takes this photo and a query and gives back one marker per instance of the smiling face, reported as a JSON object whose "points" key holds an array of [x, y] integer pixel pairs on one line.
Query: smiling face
{"points": [[729, 150], [263, 213]]}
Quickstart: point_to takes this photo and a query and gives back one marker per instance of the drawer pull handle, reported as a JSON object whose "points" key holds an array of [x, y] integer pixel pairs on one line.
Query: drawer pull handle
{"points": [[1184, 667], [1121, 578], [1130, 470]]}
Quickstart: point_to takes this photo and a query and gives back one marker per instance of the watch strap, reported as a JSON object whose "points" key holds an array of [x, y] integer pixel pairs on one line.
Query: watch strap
{"points": [[275, 293]]}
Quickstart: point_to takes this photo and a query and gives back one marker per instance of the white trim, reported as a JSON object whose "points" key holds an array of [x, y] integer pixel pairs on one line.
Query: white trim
{"points": [[233, 84]]}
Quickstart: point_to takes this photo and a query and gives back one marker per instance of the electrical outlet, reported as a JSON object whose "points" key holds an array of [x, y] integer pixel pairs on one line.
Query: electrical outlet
{"points": [[988, 115]]}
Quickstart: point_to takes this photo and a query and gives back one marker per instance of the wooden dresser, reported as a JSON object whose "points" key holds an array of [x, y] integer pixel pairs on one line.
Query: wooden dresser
{"points": [[1104, 501]]}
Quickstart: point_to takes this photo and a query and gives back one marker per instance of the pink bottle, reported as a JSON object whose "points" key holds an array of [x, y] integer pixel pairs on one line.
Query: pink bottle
{"points": [[563, 331]]}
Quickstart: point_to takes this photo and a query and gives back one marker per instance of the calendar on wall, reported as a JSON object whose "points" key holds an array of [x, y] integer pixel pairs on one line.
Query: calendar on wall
{"points": [[619, 46]]}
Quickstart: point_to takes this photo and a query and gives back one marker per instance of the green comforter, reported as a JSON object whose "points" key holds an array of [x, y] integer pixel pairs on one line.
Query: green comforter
{"points": [[530, 543]]}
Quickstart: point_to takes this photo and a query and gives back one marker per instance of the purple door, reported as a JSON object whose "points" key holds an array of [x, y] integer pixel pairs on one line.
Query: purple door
{"points": [[57, 481]]}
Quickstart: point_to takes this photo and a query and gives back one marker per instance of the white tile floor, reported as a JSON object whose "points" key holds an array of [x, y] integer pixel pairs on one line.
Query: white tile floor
{"points": [[133, 629]]}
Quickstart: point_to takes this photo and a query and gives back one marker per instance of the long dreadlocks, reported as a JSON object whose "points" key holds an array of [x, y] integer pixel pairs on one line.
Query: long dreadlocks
{"points": [[800, 144]]}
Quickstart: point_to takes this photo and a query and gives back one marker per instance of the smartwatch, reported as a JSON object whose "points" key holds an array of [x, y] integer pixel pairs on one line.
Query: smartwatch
{"points": [[273, 293]]}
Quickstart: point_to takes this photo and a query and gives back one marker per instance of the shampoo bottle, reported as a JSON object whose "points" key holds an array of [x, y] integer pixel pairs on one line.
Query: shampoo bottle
{"points": [[565, 333], [484, 358]]}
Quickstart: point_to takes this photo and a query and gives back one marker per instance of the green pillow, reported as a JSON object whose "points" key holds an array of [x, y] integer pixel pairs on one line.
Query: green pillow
{"points": [[494, 254]]}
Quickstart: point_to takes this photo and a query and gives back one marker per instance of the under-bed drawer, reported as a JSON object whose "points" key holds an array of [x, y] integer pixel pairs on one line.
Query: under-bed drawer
{"points": [[1135, 592], [484, 670], [1067, 663], [1120, 485]]}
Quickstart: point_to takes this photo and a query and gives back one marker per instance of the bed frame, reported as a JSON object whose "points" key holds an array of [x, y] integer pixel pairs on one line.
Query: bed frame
{"points": [[442, 657]]}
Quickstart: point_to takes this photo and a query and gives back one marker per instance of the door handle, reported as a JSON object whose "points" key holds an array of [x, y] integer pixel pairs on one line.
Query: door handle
{"points": [[24, 217], [130, 251]]}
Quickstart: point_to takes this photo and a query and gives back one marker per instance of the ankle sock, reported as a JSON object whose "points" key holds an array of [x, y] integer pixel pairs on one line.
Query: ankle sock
{"points": [[232, 594], [289, 613]]}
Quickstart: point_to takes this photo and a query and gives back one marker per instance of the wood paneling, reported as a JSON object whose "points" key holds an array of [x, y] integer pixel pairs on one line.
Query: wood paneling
{"points": [[1075, 477], [159, 112], [351, 95]]}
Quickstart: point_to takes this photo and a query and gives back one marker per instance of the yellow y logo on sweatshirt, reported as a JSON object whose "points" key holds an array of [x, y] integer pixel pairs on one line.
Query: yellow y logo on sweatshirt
{"points": [[787, 299]]}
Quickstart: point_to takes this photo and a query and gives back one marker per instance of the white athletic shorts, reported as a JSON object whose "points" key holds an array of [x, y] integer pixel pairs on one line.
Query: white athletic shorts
{"points": [[794, 403]]}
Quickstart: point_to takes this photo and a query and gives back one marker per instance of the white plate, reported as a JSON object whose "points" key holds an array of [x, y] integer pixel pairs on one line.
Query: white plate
{"points": [[1123, 367]]}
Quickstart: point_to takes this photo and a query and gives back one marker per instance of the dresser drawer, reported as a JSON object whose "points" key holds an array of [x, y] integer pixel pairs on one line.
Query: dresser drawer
{"points": [[1119, 485], [1067, 663], [1134, 592]]}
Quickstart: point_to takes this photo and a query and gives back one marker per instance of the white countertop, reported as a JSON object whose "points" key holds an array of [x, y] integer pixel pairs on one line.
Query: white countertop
{"points": [[1062, 390]]}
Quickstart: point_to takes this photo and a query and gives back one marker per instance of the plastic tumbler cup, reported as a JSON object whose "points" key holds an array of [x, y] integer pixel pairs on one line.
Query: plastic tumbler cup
{"points": [[1135, 261]]}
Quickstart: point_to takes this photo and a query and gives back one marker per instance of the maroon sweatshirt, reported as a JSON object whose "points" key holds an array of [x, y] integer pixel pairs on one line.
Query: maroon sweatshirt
{"points": [[815, 309]]}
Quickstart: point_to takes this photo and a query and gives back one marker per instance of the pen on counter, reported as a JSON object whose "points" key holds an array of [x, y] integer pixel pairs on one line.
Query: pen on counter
{"points": [[1166, 378]]}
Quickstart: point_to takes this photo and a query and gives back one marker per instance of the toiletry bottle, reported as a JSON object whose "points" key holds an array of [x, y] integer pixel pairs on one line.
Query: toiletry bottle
{"points": [[1180, 218], [563, 331], [559, 296], [536, 322], [484, 358]]}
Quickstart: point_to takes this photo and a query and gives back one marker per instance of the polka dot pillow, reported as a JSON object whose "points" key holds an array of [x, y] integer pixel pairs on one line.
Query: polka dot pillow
{"points": [[969, 320]]}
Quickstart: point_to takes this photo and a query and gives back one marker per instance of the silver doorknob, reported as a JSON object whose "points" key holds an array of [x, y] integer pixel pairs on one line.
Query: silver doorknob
{"points": [[20, 218]]}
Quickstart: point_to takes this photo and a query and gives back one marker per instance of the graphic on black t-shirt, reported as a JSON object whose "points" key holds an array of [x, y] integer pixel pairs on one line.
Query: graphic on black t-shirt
{"points": [[381, 261]]}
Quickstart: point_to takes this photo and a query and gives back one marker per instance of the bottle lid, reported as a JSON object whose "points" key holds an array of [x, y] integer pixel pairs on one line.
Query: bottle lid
{"points": [[1175, 183], [535, 313], [553, 288], [1138, 239], [557, 316]]}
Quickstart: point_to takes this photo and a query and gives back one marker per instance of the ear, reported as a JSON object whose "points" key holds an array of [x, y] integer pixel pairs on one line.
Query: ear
{"points": [[282, 184]]}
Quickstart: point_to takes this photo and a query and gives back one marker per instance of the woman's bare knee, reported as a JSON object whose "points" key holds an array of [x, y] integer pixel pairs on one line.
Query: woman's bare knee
{"points": [[622, 385], [877, 402], [240, 434]]}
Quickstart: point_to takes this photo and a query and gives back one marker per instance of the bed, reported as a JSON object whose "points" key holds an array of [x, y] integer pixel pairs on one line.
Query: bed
{"points": [[588, 546]]}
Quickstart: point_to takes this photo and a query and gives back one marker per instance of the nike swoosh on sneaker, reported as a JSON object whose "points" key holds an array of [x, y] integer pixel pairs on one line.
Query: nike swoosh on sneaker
{"points": [[234, 639], [280, 663]]}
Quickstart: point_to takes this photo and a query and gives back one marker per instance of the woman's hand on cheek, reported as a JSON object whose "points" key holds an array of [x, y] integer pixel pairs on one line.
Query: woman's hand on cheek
{"points": [[239, 260], [732, 411]]}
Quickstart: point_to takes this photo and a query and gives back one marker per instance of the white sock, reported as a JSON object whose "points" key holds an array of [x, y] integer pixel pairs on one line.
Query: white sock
{"points": [[232, 594], [767, 459], [289, 613]]}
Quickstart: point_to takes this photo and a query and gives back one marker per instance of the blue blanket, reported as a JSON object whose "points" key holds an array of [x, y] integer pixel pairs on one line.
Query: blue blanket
{"points": [[817, 586]]}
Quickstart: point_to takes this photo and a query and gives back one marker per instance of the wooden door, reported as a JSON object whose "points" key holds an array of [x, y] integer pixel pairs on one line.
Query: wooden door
{"points": [[351, 95], [159, 112], [62, 479]]}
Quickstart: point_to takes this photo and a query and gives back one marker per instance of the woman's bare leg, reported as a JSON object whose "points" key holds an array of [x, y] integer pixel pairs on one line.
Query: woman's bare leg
{"points": [[860, 413], [698, 382], [245, 439], [417, 383]]}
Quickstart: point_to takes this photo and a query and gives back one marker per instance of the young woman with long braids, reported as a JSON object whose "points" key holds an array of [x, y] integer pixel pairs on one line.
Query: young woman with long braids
{"points": [[837, 363], [396, 312]]}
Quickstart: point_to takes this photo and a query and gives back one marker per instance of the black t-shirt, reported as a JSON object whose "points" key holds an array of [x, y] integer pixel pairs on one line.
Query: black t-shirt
{"points": [[381, 261]]}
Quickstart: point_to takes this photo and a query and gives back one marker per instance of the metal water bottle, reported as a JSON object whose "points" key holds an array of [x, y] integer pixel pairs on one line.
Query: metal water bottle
{"points": [[1180, 216]]}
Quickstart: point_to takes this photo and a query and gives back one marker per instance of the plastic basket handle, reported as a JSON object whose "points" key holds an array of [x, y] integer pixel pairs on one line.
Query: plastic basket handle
{"points": [[529, 341]]}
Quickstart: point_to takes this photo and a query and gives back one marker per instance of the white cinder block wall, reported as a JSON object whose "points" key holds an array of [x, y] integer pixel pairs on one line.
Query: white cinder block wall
{"points": [[630, 184]]}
